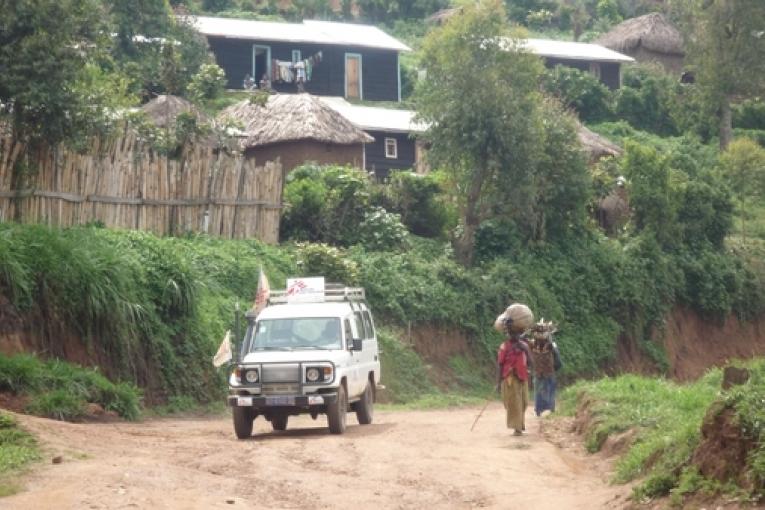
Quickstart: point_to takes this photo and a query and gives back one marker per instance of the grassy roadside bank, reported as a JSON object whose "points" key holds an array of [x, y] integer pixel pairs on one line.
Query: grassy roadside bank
{"points": [[671, 432], [17, 450]]}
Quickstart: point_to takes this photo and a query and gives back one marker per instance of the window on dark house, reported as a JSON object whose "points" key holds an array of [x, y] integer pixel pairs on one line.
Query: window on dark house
{"points": [[391, 148]]}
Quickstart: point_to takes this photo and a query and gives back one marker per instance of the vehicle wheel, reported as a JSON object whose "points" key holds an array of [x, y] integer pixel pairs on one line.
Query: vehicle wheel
{"points": [[242, 422], [338, 412], [279, 422], [365, 408]]}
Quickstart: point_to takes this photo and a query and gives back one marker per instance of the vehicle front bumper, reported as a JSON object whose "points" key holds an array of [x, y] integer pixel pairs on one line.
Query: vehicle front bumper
{"points": [[275, 401]]}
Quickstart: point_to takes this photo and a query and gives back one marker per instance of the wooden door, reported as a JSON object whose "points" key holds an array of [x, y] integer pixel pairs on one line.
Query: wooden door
{"points": [[353, 76]]}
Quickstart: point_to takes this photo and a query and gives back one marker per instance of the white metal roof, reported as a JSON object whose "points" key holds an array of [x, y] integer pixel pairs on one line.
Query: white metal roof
{"points": [[573, 50], [316, 32], [373, 118]]}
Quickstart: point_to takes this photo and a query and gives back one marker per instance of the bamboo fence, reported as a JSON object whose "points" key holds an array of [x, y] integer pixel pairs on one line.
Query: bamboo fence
{"points": [[122, 183]]}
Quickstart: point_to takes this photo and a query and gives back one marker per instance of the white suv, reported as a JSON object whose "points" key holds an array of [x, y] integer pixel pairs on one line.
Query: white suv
{"points": [[307, 358]]}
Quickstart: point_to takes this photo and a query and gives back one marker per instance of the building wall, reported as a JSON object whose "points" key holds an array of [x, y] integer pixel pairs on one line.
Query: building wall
{"points": [[379, 67], [610, 72], [294, 154], [375, 154], [671, 63]]}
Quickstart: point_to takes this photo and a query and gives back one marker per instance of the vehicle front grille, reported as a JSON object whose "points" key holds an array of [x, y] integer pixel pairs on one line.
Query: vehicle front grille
{"points": [[281, 373], [280, 389]]}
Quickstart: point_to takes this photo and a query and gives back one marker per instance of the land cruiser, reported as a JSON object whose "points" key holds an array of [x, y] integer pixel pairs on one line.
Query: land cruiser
{"points": [[311, 350]]}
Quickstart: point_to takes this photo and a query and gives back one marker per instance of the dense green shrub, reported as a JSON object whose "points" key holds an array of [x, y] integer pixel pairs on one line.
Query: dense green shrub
{"points": [[645, 100], [579, 90], [749, 114], [323, 260], [208, 83], [382, 230], [419, 199]]}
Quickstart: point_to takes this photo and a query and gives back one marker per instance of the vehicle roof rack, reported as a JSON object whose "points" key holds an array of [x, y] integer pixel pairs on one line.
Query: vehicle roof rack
{"points": [[333, 292]]}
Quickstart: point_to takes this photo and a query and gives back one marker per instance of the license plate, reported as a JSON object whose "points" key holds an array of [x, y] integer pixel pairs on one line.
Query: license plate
{"points": [[280, 401], [244, 401]]}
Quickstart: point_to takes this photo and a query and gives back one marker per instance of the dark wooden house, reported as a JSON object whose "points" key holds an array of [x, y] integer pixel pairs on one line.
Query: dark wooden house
{"points": [[332, 59], [598, 60], [395, 145]]}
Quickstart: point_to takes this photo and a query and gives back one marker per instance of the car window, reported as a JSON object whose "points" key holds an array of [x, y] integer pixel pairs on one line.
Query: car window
{"points": [[289, 334], [360, 329], [348, 332], [368, 321]]}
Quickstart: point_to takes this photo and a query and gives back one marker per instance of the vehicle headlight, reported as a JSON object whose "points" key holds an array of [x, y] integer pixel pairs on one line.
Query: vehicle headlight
{"points": [[251, 376], [312, 374]]}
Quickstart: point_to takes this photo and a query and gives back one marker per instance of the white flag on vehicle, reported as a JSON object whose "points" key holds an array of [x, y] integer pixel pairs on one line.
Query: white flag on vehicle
{"points": [[262, 294], [224, 351]]}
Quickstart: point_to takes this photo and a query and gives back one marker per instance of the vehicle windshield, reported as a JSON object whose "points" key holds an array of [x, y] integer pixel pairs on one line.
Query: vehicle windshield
{"points": [[294, 334]]}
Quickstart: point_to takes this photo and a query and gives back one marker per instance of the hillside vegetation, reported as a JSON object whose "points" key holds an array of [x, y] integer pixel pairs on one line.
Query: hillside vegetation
{"points": [[663, 422]]}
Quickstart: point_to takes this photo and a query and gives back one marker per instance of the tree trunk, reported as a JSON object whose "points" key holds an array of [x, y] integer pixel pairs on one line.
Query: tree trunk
{"points": [[464, 246], [726, 123]]}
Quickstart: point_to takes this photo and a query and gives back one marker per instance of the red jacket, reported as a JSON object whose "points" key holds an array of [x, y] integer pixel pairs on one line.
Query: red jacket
{"points": [[513, 357]]}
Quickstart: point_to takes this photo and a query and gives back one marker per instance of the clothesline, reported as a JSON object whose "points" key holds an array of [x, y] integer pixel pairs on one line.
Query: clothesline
{"points": [[285, 71]]}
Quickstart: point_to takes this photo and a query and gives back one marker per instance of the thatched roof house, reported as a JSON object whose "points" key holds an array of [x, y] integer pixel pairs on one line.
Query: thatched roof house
{"points": [[163, 110], [594, 145], [648, 38], [297, 128]]}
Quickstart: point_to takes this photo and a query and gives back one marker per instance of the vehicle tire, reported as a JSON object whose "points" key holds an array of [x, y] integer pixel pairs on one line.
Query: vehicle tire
{"points": [[365, 408], [242, 422], [337, 413], [279, 422]]}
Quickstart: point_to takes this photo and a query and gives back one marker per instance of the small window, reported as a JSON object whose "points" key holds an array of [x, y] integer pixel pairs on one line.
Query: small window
{"points": [[368, 322], [359, 325], [296, 56], [595, 69], [391, 148], [348, 333]]}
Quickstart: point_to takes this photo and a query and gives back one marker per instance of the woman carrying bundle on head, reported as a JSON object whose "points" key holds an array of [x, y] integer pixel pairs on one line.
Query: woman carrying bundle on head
{"points": [[513, 365]]}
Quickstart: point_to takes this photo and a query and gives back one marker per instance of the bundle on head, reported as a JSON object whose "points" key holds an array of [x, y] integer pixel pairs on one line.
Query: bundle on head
{"points": [[543, 330], [517, 318]]}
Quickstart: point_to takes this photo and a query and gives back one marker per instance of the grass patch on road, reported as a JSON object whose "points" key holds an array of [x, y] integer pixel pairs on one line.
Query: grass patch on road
{"points": [[17, 449]]}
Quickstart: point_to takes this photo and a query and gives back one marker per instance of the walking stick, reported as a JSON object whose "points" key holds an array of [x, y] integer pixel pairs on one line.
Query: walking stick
{"points": [[488, 401]]}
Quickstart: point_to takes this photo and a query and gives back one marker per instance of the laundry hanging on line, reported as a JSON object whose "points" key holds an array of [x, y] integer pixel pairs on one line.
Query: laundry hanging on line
{"points": [[285, 71]]}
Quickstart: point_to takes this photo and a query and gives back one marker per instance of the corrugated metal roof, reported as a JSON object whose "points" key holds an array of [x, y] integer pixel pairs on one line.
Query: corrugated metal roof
{"points": [[317, 32], [373, 118], [573, 50]]}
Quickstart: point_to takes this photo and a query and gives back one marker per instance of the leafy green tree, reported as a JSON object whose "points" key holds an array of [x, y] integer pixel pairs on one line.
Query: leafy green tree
{"points": [[650, 192], [44, 47], [726, 44], [137, 20], [490, 128], [743, 165], [580, 91]]}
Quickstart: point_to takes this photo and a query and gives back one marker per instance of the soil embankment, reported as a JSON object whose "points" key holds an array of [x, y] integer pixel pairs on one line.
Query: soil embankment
{"points": [[693, 344], [415, 459]]}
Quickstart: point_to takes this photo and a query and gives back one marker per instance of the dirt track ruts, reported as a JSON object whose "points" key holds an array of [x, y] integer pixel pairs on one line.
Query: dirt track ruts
{"points": [[406, 459]]}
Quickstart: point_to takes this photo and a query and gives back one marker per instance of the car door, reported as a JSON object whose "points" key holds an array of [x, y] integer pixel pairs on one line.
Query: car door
{"points": [[352, 378]]}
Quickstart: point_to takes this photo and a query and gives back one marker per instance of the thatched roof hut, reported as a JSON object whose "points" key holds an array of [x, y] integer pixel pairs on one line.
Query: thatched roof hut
{"points": [[297, 128], [163, 110], [596, 146], [647, 38]]}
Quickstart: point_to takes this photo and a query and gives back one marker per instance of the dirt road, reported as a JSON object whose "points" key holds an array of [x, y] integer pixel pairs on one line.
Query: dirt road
{"points": [[409, 459]]}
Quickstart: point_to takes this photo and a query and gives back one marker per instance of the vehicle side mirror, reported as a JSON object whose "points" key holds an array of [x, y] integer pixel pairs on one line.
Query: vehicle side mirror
{"points": [[358, 345]]}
